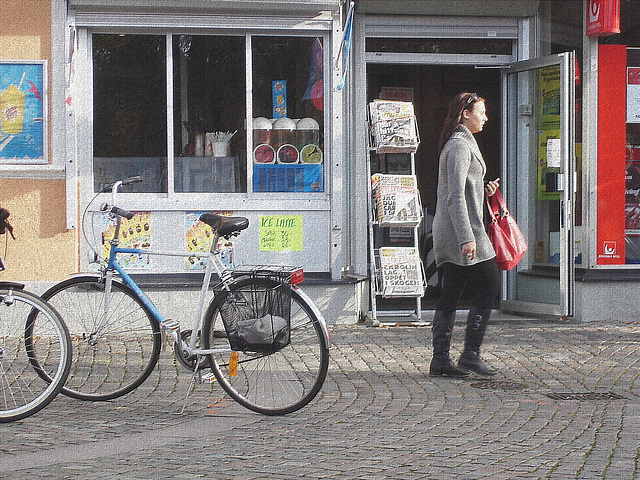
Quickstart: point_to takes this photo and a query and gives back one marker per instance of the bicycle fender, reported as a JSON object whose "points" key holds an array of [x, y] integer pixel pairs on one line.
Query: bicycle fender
{"points": [[96, 276], [305, 297]]}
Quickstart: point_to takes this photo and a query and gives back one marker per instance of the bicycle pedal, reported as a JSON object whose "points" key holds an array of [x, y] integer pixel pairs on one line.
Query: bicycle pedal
{"points": [[207, 378], [170, 324]]}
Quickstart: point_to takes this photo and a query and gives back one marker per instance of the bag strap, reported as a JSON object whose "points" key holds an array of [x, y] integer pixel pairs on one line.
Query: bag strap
{"points": [[496, 205]]}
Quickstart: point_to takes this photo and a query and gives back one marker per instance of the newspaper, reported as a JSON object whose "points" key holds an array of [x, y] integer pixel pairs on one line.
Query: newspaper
{"points": [[396, 200], [393, 127], [401, 272]]}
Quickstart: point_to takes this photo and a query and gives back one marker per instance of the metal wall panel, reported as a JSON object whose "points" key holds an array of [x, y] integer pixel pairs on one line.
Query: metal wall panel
{"points": [[468, 8], [222, 6]]}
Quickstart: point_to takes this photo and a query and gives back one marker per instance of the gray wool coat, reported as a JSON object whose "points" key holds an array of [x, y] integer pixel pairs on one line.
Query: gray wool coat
{"points": [[460, 202]]}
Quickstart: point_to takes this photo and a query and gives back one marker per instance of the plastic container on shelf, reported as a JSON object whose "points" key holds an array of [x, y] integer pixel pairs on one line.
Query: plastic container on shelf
{"points": [[284, 132], [262, 129], [307, 133]]}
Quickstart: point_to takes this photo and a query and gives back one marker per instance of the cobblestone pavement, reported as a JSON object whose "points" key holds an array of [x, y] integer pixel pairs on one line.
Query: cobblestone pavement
{"points": [[565, 405]]}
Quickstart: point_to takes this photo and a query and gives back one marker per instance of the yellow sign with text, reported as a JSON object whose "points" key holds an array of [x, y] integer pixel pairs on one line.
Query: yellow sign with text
{"points": [[279, 233]]}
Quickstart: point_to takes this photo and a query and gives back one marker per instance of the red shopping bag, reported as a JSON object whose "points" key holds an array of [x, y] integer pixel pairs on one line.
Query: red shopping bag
{"points": [[504, 233]]}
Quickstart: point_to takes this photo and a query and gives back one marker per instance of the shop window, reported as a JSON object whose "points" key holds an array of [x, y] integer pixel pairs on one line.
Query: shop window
{"points": [[209, 113], [629, 36], [129, 107], [287, 152], [209, 151], [632, 159]]}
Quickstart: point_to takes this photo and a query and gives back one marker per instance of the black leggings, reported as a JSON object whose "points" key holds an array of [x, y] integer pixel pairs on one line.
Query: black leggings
{"points": [[482, 277]]}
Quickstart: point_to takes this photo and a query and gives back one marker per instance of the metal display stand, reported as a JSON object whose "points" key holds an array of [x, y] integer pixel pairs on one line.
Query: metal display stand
{"points": [[395, 272]]}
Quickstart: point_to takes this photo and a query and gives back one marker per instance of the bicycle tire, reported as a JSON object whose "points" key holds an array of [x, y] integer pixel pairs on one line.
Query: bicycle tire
{"points": [[274, 383], [29, 329], [114, 361]]}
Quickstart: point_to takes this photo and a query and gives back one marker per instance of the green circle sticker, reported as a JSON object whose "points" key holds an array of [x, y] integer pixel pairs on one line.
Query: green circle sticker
{"points": [[311, 154]]}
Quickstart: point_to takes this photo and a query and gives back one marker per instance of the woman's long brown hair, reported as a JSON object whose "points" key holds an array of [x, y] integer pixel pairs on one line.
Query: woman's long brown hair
{"points": [[461, 102]]}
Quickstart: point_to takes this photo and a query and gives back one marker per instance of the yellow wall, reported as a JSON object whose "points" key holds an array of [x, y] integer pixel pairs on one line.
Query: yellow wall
{"points": [[44, 249], [25, 29]]}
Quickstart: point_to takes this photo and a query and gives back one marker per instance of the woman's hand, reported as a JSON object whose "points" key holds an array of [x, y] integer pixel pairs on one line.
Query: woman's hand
{"points": [[492, 186], [469, 250]]}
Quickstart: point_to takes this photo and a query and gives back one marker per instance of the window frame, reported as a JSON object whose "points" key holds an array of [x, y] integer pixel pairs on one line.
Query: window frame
{"points": [[172, 200]]}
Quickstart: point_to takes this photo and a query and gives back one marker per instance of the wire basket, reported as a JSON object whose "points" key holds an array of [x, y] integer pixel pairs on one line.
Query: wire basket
{"points": [[257, 316]]}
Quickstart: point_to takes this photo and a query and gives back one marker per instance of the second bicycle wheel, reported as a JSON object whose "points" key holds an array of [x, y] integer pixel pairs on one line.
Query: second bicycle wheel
{"points": [[35, 354], [113, 353], [271, 383]]}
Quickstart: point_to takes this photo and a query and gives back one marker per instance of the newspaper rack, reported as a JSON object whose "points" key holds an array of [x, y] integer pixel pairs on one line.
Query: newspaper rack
{"points": [[395, 212]]}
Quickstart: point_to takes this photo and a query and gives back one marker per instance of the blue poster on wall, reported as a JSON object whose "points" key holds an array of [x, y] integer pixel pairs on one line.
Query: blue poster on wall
{"points": [[22, 112]]}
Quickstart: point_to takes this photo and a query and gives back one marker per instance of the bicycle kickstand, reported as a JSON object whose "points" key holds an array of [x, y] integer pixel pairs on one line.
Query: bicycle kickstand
{"points": [[196, 376]]}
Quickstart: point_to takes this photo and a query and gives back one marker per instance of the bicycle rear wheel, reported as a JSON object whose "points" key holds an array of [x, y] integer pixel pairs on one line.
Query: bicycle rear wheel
{"points": [[271, 383], [30, 329], [112, 354]]}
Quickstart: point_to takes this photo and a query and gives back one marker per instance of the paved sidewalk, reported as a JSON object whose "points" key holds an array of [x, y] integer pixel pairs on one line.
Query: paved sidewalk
{"points": [[566, 405]]}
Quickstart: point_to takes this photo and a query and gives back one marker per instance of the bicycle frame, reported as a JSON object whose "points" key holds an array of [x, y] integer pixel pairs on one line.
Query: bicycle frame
{"points": [[214, 264]]}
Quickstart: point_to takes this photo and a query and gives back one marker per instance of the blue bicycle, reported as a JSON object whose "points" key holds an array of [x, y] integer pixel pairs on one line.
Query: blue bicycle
{"points": [[261, 336]]}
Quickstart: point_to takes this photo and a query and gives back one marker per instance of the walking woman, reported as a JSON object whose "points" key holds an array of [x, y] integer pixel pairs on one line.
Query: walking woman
{"points": [[462, 249]]}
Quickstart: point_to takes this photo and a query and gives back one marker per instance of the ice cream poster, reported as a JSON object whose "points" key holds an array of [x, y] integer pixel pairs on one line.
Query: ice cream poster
{"points": [[134, 233], [198, 238], [22, 112], [281, 233]]}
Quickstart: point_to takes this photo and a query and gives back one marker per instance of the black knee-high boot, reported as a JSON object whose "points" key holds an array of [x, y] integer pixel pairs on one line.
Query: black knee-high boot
{"points": [[441, 364], [470, 359]]}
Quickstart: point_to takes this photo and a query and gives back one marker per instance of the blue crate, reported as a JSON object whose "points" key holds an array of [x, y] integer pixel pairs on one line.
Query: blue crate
{"points": [[288, 178]]}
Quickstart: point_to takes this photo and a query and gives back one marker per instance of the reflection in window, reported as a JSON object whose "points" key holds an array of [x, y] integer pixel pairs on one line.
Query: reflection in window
{"points": [[632, 160], [487, 46], [209, 113], [130, 121], [288, 122]]}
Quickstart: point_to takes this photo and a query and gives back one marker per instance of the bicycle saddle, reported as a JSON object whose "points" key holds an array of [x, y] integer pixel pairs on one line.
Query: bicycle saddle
{"points": [[224, 226]]}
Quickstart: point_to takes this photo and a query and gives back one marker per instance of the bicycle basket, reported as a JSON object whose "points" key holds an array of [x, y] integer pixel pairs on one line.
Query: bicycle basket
{"points": [[257, 318]]}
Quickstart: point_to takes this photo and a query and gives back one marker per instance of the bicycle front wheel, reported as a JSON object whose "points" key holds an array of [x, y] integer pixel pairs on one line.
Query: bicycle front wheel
{"points": [[30, 329], [271, 383], [113, 351]]}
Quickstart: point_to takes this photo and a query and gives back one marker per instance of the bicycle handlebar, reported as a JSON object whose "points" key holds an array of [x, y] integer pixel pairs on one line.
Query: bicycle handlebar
{"points": [[113, 187], [122, 212], [126, 181], [4, 224]]}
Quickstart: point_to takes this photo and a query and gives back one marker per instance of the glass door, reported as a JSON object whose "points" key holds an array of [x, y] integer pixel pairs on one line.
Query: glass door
{"points": [[538, 179]]}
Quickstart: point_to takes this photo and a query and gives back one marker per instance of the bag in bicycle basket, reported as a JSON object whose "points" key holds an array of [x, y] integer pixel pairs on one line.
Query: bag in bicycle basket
{"points": [[257, 318]]}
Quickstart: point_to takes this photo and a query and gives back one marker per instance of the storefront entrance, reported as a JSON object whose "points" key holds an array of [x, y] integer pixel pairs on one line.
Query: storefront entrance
{"points": [[430, 88], [527, 142], [543, 168]]}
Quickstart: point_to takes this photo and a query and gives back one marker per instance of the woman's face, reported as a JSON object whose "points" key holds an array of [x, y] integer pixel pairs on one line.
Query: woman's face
{"points": [[475, 117]]}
